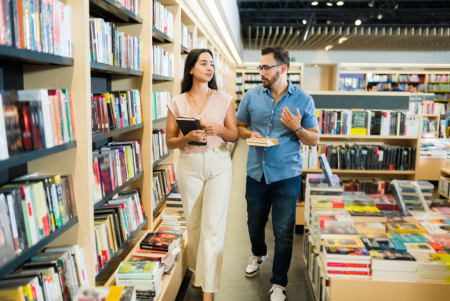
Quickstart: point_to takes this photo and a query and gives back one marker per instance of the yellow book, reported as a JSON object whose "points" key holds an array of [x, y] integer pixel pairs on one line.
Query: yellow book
{"points": [[405, 228], [13, 293], [359, 123], [130, 161], [104, 250], [108, 232]]}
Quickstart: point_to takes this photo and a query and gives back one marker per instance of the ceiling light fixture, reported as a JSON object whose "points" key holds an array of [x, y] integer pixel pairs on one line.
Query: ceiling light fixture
{"points": [[340, 3], [329, 2], [371, 3], [328, 47], [395, 4], [304, 21], [328, 21], [342, 40], [358, 22], [380, 16], [314, 3]]}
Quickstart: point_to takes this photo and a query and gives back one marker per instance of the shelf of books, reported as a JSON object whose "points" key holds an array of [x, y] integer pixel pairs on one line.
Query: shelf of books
{"points": [[362, 236], [427, 79]]}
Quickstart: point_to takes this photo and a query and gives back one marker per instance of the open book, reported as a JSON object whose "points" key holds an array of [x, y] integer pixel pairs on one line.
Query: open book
{"points": [[187, 124], [265, 142]]}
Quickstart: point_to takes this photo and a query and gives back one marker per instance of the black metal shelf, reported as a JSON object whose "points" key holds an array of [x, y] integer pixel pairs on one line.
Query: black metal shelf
{"points": [[162, 158], [34, 155], [103, 68], [30, 252], [33, 57], [160, 77], [120, 251], [159, 120], [98, 137], [160, 204], [112, 10], [159, 36], [117, 190], [184, 50]]}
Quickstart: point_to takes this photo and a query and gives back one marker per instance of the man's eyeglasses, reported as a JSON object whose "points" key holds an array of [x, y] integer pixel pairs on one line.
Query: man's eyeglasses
{"points": [[266, 68]]}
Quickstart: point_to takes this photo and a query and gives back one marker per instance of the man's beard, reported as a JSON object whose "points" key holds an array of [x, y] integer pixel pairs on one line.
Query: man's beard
{"points": [[268, 83]]}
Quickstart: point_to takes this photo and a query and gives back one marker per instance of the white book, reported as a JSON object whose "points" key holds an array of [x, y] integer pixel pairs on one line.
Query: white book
{"points": [[4, 154]]}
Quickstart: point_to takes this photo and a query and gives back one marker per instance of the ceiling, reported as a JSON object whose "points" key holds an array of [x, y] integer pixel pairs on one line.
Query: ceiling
{"points": [[385, 25]]}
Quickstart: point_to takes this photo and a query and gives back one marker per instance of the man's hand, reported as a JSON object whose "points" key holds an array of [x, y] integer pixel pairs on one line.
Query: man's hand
{"points": [[256, 135], [291, 121]]}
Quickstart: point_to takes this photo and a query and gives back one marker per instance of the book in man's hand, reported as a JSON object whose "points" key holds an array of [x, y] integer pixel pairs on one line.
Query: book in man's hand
{"points": [[188, 124], [265, 142]]}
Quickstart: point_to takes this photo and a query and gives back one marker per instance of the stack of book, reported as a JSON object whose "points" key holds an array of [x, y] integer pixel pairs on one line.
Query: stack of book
{"points": [[173, 200], [187, 38], [435, 148], [24, 28], [360, 157], [35, 119], [441, 206], [367, 122], [115, 110], [164, 181], [163, 62], [431, 267], [159, 104], [115, 222], [173, 217], [115, 164], [393, 266], [426, 107], [364, 211], [163, 19], [145, 277], [31, 208], [55, 274], [111, 47], [409, 194], [159, 146], [127, 293]]}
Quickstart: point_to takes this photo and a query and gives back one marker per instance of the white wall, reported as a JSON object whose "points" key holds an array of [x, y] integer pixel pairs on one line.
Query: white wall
{"points": [[371, 57]]}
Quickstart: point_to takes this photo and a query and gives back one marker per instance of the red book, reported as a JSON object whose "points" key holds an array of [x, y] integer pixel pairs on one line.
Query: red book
{"points": [[349, 273], [348, 265], [99, 114], [72, 117]]}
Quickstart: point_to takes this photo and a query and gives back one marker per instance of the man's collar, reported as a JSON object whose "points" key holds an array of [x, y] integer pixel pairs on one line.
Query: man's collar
{"points": [[290, 88]]}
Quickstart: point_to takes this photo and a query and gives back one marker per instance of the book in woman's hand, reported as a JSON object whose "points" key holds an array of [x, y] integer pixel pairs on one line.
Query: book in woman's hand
{"points": [[188, 124]]}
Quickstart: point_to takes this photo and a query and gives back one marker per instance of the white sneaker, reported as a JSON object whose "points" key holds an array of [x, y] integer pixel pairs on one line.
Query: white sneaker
{"points": [[254, 263], [277, 293]]}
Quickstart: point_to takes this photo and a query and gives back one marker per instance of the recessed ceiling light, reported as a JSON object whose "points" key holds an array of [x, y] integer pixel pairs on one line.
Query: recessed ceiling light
{"points": [[328, 21], [340, 3], [380, 16], [328, 47], [342, 40], [304, 21], [329, 3], [358, 22], [371, 3], [314, 3]]}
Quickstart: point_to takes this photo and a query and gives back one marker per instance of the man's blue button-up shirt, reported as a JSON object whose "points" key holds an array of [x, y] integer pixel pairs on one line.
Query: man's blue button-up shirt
{"points": [[258, 108]]}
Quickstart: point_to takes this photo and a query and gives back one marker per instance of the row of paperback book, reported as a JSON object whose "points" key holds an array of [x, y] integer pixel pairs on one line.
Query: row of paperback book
{"points": [[426, 107], [367, 122], [381, 237], [42, 26], [31, 208], [378, 78], [159, 146], [35, 119], [163, 19], [360, 157], [114, 223], [55, 274], [132, 5], [187, 38], [115, 110], [113, 165], [411, 78], [159, 104], [164, 181], [111, 47], [438, 87], [163, 62]]}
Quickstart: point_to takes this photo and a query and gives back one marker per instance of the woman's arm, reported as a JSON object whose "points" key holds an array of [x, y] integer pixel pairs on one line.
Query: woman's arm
{"points": [[172, 130], [228, 131]]}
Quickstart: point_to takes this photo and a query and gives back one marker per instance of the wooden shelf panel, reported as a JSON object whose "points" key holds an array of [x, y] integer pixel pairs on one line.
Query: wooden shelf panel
{"points": [[443, 195], [328, 136], [34, 155], [446, 171], [162, 158], [159, 120], [112, 10], [120, 250], [366, 172], [159, 36], [161, 77], [184, 50], [117, 190], [33, 57], [28, 253], [159, 206], [103, 68], [98, 137]]}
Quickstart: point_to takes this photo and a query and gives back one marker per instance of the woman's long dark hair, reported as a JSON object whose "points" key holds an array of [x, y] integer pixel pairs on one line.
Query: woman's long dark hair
{"points": [[188, 79]]}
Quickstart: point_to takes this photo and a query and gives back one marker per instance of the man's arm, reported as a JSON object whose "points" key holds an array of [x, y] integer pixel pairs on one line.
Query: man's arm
{"points": [[244, 132], [310, 136]]}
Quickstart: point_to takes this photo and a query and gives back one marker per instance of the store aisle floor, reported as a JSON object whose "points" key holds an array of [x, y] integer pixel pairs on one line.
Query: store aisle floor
{"points": [[237, 250]]}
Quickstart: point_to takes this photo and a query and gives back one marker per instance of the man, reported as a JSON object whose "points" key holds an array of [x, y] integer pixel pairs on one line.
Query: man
{"points": [[395, 88], [412, 88], [277, 109], [371, 87]]}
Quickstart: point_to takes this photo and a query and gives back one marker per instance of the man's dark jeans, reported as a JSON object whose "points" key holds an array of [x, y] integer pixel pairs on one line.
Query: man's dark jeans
{"points": [[282, 197]]}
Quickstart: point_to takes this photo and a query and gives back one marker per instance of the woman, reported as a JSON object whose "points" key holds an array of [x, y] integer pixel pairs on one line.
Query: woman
{"points": [[204, 172]]}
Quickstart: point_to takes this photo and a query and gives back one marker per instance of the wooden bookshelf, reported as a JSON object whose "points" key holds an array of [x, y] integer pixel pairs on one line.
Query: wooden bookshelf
{"points": [[364, 172]]}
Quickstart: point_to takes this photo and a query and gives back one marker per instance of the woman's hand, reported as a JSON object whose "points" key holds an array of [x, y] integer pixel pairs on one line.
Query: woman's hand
{"points": [[213, 129], [197, 136]]}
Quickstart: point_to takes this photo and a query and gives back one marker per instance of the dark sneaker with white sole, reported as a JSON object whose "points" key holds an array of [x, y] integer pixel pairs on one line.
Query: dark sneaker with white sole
{"points": [[254, 263], [277, 293]]}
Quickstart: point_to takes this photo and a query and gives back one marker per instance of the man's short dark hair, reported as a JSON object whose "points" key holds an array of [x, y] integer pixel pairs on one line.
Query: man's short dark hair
{"points": [[413, 84], [280, 54], [370, 86], [394, 85]]}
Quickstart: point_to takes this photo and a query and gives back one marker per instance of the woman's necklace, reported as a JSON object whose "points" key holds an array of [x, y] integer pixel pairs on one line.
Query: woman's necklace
{"points": [[196, 102]]}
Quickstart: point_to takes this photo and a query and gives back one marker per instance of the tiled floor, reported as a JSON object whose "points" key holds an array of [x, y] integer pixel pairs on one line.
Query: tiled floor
{"points": [[237, 249]]}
